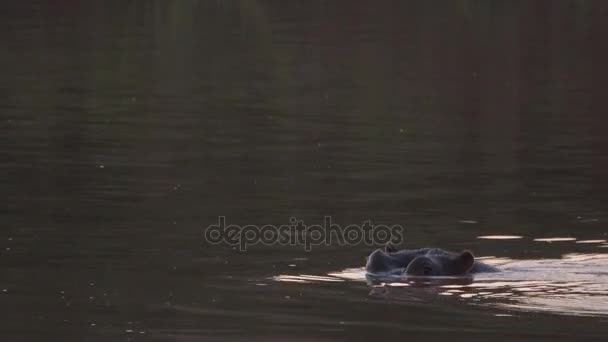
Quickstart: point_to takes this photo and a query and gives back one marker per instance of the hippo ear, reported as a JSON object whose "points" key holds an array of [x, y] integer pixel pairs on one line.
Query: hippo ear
{"points": [[464, 262], [390, 248]]}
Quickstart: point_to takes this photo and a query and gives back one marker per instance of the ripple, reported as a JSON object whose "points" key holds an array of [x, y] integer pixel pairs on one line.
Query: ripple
{"points": [[305, 278], [576, 284], [555, 239], [350, 274], [500, 237]]}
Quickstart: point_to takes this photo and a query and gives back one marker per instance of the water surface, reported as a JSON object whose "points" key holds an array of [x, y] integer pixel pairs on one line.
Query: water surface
{"points": [[126, 128]]}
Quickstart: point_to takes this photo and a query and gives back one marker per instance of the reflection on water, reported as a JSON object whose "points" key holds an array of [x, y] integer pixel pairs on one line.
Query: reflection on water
{"points": [[576, 284], [500, 237], [555, 239], [126, 127], [303, 278]]}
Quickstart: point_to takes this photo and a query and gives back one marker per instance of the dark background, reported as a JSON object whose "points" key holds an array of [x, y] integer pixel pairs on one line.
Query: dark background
{"points": [[127, 127]]}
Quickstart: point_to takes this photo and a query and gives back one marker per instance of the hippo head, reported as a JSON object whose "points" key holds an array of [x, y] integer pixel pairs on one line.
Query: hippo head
{"points": [[441, 265]]}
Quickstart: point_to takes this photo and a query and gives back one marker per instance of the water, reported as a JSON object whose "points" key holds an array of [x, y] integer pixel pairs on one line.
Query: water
{"points": [[126, 128], [575, 285]]}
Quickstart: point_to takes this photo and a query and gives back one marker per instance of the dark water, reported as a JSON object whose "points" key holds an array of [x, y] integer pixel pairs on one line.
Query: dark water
{"points": [[127, 127]]}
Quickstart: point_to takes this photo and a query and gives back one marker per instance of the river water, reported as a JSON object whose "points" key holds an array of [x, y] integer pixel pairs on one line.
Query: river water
{"points": [[128, 127]]}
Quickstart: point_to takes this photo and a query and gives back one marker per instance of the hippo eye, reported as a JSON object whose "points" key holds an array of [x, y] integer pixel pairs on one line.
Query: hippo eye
{"points": [[427, 270]]}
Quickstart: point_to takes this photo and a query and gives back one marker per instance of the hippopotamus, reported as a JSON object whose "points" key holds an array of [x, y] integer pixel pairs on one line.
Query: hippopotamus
{"points": [[426, 262]]}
